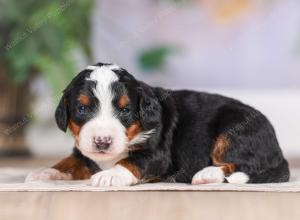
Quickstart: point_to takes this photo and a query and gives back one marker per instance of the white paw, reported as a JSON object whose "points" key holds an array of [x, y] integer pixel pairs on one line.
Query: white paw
{"points": [[47, 174], [209, 175], [116, 176], [238, 178]]}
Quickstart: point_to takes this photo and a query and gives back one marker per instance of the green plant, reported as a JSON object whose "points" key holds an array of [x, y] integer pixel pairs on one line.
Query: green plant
{"points": [[155, 58], [42, 36]]}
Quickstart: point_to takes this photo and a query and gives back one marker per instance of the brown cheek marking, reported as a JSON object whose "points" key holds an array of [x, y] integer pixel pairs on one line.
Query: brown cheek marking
{"points": [[75, 128], [131, 167], [84, 99], [133, 130], [123, 101], [75, 167], [221, 146]]}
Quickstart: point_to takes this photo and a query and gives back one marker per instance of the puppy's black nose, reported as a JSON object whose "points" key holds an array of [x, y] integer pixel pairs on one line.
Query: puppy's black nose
{"points": [[102, 143]]}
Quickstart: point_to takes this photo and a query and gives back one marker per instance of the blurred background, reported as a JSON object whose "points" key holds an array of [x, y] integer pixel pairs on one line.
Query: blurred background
{"points": [[246, 49]]}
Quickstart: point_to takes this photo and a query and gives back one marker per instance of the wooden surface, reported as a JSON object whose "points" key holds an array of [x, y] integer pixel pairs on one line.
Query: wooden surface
{"points": [[149, 205], [143, 205]]}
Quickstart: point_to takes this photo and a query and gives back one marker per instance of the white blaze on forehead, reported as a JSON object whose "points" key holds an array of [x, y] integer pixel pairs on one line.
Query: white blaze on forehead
{"points": [[104, 76], [111, 66], [104, 123]]}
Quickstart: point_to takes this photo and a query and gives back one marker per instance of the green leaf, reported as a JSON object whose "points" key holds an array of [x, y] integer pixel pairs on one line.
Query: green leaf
{"points": [[155, 58]]}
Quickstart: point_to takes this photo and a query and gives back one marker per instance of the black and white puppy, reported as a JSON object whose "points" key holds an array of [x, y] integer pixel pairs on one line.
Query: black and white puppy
{"points": [[127, 132]]}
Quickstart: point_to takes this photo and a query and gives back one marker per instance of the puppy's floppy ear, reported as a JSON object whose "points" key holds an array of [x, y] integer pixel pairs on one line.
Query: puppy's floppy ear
{"points": [[62, 114], [149, 107]]}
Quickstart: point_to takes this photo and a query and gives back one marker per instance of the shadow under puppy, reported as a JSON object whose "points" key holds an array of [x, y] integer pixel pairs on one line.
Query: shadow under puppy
{"points": [[127, 132]]}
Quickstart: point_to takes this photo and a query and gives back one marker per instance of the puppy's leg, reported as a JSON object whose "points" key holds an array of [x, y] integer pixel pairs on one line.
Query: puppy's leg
{"points": [[214, 174], [221, 170], [70, 168], [210, 174], [124, 173]]}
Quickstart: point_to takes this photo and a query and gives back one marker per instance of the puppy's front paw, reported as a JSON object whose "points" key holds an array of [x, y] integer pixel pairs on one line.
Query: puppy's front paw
{"points": [[116, 176], [209, 175], [47, 174]]}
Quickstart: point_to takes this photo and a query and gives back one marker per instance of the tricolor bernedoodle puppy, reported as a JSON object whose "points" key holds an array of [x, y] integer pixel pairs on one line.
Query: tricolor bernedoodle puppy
{"points": [[127, 132]]}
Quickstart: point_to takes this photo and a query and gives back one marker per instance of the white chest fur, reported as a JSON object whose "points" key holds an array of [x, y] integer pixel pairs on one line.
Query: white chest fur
{"points": [[107, 164]]}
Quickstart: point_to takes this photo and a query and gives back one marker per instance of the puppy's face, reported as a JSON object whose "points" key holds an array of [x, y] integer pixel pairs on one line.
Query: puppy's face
{"points": [[102, 108]]}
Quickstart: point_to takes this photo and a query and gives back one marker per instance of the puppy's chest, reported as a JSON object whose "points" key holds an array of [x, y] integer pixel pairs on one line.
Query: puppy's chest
{"points": [[107, 164]]}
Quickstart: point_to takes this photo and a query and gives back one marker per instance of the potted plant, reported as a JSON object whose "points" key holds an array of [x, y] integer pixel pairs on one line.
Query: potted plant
{"points": [[37, 37]]}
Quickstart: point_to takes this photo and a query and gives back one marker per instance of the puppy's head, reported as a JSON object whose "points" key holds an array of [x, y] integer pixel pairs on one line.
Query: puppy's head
{"points": [[108, 111]]}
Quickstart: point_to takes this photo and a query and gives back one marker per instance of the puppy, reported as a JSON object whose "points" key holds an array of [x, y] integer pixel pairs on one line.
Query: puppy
{"points": [[127, 132]]}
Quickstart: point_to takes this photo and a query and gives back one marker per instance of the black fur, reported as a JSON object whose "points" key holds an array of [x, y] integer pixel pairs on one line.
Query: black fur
{"points": [[186, 125], [68, 105], [62, 115]]}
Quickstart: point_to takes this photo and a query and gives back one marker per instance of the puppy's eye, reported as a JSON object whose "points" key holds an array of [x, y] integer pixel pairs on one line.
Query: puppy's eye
{"points": [[125, 110], [81, 109]]}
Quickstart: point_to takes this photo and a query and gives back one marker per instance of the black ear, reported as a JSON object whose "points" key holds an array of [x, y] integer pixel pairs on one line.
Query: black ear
{"points": [[149, 107], [62, 115]]}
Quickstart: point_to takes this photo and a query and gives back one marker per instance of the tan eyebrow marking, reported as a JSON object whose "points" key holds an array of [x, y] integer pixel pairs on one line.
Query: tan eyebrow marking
{"points": [[84, 99], [123, 101]]}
